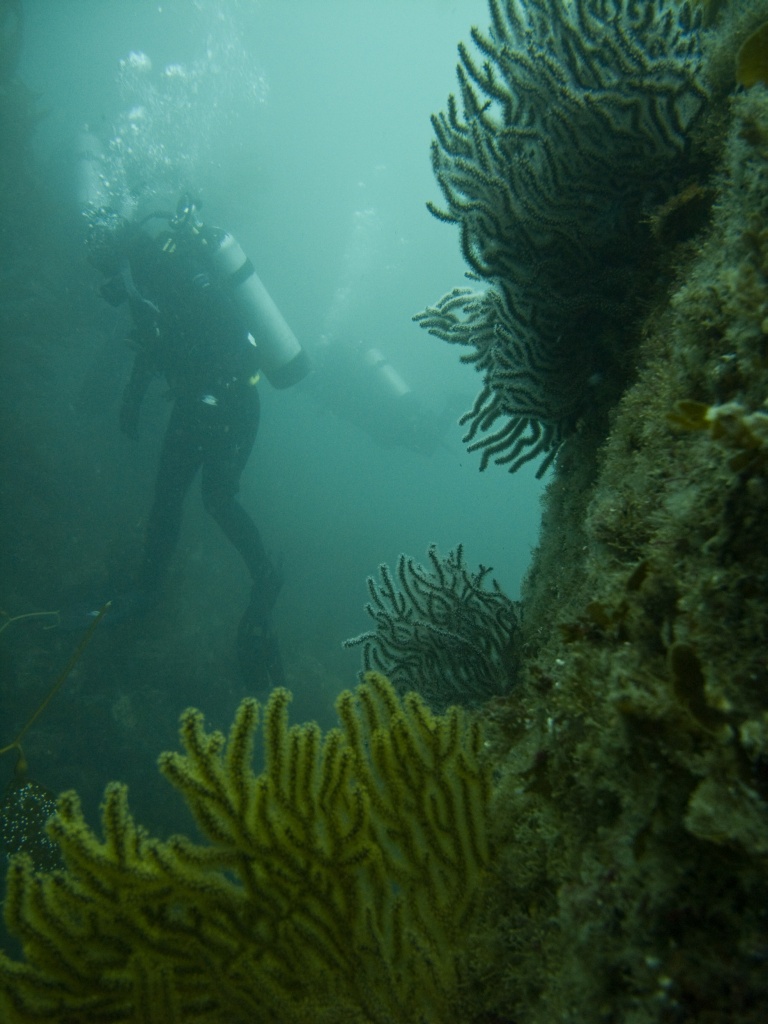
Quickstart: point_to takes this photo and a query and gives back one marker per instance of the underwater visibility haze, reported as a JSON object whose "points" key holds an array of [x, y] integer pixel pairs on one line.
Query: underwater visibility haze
{"points": [[316, 157], [491, 279]]}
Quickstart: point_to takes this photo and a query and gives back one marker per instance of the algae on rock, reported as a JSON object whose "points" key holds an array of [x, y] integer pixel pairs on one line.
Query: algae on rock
{"points": [[633, 816]]}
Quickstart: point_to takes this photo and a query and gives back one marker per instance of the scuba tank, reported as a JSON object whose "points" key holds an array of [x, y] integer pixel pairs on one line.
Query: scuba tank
{"points": [[389, 380], [281, 358]]}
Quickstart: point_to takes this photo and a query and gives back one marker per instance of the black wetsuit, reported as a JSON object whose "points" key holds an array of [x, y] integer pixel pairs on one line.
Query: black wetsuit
{"points": [[189, 329]]}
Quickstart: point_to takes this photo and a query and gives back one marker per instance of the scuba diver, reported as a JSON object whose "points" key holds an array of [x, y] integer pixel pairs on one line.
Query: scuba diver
{"points": [[358, 383], [204, 321]]}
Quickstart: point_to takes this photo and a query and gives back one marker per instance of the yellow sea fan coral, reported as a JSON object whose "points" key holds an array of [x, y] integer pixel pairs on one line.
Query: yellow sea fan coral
{"points": [[337, 884]]}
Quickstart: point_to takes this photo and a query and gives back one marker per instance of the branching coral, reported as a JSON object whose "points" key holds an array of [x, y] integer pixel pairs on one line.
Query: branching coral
{"points": [[336, 885], [575, 119], [441, 632]]}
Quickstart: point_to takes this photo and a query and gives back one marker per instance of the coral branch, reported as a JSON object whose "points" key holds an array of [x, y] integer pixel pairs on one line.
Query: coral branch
{"points": [[442, 633], [576, 119], [338, 884]]}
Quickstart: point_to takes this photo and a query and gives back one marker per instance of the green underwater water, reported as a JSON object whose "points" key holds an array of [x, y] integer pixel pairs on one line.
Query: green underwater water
{"points": [[631, 802]]}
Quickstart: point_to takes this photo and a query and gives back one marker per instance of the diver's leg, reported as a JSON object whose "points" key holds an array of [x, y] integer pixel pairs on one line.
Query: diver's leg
{"points": [[239, 529], [225, 458], [180, 458], [227, 447]]}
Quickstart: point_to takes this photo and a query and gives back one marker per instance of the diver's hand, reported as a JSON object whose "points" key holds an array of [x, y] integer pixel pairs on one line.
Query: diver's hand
{"points": [[129, 420]]}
